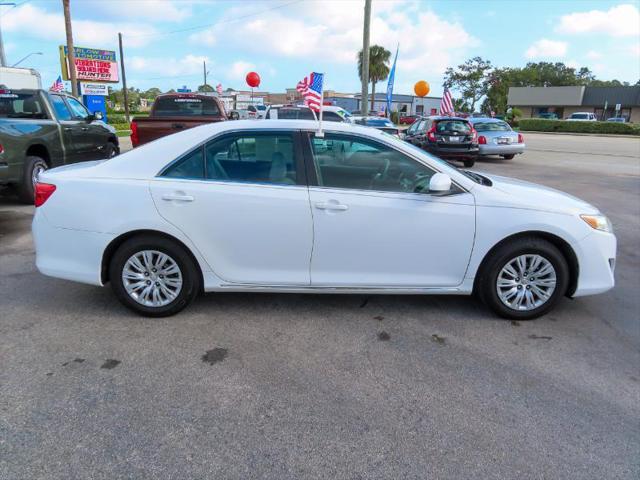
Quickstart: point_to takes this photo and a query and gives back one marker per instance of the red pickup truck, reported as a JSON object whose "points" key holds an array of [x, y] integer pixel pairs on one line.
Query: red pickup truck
{"points": [[173, 112]]}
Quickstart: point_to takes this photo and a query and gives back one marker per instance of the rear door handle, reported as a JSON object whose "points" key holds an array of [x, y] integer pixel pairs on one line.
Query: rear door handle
{"points": [[331, 206], [178, 126], [170, 197], [84, 129]]}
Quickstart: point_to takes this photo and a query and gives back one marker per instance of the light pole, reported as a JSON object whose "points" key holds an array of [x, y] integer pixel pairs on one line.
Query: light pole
{"points": [[364, 92], [24, 58], [3, 59]]}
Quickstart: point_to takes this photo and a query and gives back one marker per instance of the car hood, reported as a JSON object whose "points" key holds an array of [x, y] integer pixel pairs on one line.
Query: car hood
{"points": [[513, 193]]}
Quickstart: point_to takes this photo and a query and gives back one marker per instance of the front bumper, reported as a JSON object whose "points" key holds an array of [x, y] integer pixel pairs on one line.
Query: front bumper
{"points": [[596, 263], [512, 149]]}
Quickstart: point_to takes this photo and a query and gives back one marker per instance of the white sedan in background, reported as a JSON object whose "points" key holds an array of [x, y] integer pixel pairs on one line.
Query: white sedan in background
{"points": [[272, 206]]}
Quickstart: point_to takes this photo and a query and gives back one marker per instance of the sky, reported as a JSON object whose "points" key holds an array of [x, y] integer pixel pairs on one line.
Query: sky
{"points": [[166, 41]]}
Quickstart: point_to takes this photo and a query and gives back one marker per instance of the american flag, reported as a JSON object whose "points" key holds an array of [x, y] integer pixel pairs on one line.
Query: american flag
{"points": [[446, 104], [57, 86], [311, 90], [219, 89]]}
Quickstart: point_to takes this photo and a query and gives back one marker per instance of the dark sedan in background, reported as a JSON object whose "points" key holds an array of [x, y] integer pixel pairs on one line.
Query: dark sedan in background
{"points": [[450, 138]]}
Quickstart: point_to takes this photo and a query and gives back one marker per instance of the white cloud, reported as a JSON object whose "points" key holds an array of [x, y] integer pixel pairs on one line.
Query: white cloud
{"points": [[618, 21], [206, 37], [166, 66], [635, 50], [593, 55], [37, 23], [155, 10], [545, 48], [572, 63], [239, 70]]}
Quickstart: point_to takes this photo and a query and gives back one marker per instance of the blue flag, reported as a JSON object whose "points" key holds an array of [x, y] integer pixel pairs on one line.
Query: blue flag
{"points": [[392, 75]]}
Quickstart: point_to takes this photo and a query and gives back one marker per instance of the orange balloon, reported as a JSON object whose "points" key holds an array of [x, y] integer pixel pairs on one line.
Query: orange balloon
{"points": [[421, 88]]}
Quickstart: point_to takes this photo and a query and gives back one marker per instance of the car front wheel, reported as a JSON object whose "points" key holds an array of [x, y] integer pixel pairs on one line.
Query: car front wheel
{"points": [[154, 276], [524, 279]]}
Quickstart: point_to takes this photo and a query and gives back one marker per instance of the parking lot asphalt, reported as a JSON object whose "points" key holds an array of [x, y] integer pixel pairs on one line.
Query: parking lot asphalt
{"points": [[330, 386]]}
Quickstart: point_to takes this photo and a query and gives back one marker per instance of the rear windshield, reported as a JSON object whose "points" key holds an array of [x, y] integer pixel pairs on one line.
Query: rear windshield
{"points": [[185, 107], [21, 105], [374, 122], [581, 116], [492, 126], [453, 126]]}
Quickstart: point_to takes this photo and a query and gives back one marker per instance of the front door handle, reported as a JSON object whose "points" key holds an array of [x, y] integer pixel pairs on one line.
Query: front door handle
{"points": [[331, 206], [177, 126], [174, 197], [84, 129]]}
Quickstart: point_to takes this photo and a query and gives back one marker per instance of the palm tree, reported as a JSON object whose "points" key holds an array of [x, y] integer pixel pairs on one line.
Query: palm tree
{"points": [[378, 69]]}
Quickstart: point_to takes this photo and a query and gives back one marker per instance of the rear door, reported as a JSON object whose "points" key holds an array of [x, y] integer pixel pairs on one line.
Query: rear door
{"points": [[243, 201]]}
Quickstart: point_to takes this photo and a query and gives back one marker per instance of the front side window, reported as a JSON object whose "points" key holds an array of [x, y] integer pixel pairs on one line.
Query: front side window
{"points": [[60, 107], [252, 158], [77, 109], [344, 161]]}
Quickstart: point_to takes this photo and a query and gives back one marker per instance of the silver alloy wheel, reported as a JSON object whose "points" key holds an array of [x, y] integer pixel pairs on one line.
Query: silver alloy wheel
{"points": [[152, 278], [526, 282], [35, 173]]}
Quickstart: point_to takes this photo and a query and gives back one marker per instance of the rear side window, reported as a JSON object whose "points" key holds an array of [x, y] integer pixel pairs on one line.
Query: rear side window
{"points": [[21, 105], [453, 126], [191, 166], [254, 158], [60, 107], [185, 107]]}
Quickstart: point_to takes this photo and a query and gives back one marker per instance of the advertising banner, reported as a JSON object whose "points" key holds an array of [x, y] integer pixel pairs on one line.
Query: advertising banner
{"points": [[94, 89], [91, 64]]}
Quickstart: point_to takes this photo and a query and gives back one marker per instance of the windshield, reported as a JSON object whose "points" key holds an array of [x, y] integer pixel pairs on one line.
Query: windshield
{"points": [[21, 105], [580, 116], [185, 107], [492, 126], [453, 126]]}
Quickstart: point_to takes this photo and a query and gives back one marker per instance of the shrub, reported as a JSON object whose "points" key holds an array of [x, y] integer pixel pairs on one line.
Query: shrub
{"points": [[545, 125]]}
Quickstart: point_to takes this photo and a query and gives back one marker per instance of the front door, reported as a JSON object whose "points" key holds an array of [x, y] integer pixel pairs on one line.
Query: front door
{"points": [[243, 201], [88, 138], [376, 225]]}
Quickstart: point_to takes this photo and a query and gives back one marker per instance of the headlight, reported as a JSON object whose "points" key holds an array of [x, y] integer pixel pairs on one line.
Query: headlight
{"points": [[599, 222]]}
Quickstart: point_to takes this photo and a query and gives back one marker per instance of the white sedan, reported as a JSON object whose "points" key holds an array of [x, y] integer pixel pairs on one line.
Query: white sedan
{"points": [[272, 206]]}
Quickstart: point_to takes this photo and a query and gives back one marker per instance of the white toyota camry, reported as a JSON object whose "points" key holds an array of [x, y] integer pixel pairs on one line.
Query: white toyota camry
{"points": [[273, 206]]}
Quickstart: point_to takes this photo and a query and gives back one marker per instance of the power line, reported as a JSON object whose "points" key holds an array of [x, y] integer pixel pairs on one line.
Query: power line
{"points": [[220, 22]]}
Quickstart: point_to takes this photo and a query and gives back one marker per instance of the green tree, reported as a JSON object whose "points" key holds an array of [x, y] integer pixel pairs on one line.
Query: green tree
{"points": [[206, 88], [378, 67], [470, 79], [152, 93]]}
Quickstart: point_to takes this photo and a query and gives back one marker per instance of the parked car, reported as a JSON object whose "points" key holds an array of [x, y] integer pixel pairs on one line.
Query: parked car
{"points": [[330, 113], [383, 124], [548, 115], [495, 137], [173, 112], [617, 119], [450, 138], [408, 119], [582, 117], [270, 206], [41, 130]]}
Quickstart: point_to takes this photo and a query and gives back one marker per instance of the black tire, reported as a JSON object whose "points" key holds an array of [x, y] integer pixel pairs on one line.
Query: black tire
{"points": [[110, 150], [486, 284], [469, 163], [25, 189], [191, 277], [508, 157]]}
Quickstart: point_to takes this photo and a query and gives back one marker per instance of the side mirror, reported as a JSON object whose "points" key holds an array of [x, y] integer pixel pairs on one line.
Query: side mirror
{"points": [[97, 115], [440, 183]]}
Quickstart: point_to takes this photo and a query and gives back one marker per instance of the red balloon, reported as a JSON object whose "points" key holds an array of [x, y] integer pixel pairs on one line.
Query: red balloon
{"points": [[253, 79]]}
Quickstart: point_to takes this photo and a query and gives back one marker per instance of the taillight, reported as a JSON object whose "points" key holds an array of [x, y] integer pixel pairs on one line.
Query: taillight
{"points": [[1, 148], [482, 140], [134, 134], [520, 138], [431, 134], [42, 193], [474, 138]]}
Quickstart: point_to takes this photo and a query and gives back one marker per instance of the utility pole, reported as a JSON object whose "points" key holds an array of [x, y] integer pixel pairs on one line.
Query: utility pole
{"points": [[364, 93], [3, 58], [124, 81], [71, 56], [204, 70]]}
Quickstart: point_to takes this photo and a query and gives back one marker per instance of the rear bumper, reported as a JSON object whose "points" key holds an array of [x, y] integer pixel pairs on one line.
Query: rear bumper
{"points": [[69, 254], [513, 149], [446, 152], [596, 260]]}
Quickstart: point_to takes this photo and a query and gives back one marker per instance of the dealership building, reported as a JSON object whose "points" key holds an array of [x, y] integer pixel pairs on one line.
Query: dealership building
{"points": [[605, 102]]}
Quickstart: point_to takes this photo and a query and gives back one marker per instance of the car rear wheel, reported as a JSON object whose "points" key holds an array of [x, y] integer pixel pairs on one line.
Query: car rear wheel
{"points": [[508, 157], [154, 276], [469, 163], [523, 279], [33, 167]]}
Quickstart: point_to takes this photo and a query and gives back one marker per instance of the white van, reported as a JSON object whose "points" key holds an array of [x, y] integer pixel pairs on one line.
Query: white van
{"points": [[20, 78]]}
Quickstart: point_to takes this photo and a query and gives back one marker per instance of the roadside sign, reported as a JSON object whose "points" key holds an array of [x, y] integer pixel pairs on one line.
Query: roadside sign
{"points": [[618, 107], [91, 64], [94, 89]]}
